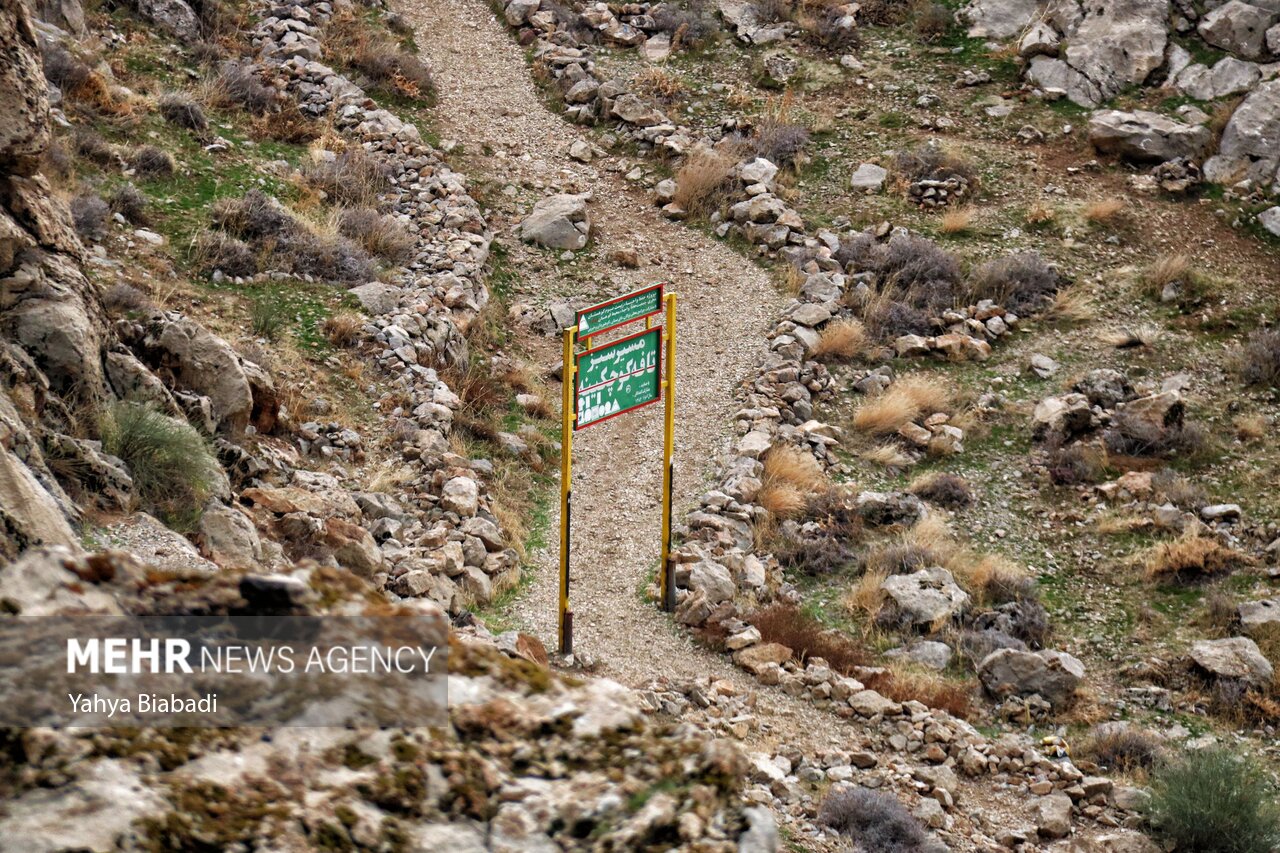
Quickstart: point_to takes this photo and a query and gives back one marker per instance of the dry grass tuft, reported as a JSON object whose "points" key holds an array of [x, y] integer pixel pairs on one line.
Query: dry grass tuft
{"points": [[904, 401], [841, 340], [1073, 305], [1041, 216], [1105, 212], [933, 689], [702, 182], [1166, 270], [659, 84], [1190, 557], [1250, 427], [790, 477], [788, 625], [865, 597], [888, 455], [957, 221], [342, 329]]}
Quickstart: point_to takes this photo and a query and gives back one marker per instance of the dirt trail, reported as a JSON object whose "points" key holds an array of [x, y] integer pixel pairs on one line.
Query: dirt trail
{"points": [[488, 102]]}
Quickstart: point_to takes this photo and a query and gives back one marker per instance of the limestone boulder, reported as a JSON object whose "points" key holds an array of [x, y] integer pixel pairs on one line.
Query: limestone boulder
{"points": [[1054, 675], [928, 597], [1146, 137], [1233, 659], [558, 222], [1250, 146], [1240, 28]]}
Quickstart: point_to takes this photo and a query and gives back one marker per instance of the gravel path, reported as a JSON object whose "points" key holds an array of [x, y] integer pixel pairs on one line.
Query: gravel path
{"points": [[488, 102]]}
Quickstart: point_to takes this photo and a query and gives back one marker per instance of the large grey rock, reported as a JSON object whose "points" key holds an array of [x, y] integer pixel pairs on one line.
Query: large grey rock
{"points": [[1146, 137], [94, 812], [1259, 614], [928, 597], [1119, 43], [1250, 146], [24, 121], [1270, 220], [999, 19], [30, 513], [713, 580], [227, 537], [1229, 76], [1054, 675], [1235, 658], [927, 653], [762, 832], [173, 16], [377, 298], [1053, 815], [869, 178], [1115, 842], [1061, 416], [558, 222], [196, 360], [1240, 28], [1105, 387], [1055, 75]]}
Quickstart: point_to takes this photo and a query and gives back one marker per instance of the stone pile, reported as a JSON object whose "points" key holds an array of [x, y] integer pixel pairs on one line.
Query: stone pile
{"points": [[441, 539]]}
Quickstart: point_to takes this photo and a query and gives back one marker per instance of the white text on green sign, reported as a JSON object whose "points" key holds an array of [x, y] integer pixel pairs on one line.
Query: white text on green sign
{"points": [[617, 377], [617, 312]]}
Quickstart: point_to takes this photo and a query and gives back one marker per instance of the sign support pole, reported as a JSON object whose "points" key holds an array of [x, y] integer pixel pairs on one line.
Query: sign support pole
{"points": [[666, 575], [566, 490]]}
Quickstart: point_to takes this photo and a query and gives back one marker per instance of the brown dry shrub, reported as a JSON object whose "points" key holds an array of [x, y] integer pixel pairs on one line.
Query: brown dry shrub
{"points": [[790, 476], [841, 340], [788, 625], [957, 220], [352, 177], [1190, 557], [1260, 358], [658, 83], [287, 124], [1104, 212], [352, 39], [380, 235], [1123, 748], [906, 684], [703, 182], [904, 401], [342, 329], [946, 490]]}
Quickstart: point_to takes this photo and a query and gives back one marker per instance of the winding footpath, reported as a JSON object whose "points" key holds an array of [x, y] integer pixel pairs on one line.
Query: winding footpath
{"points": [[488, 102]]}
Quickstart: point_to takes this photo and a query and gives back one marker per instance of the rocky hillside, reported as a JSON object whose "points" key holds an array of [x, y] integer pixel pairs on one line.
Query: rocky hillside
{"points": [[979, 388]]}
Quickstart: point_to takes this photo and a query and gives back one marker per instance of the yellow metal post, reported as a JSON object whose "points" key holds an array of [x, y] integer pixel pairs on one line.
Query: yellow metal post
{"points": [[566, 491], [667, 578]]}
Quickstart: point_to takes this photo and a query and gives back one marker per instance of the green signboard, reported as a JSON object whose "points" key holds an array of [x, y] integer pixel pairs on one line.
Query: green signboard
{"points": [[617, 312], [617, 377]]}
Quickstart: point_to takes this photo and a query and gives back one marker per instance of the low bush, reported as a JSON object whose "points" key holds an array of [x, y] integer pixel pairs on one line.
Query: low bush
{"points": [[287, 124], [122, 300], [353, 177], [90, 215], [885, 13], [957, 220], [791, 476], [693, 27], [886, 320], [329, 259], [1105, 212], [931, 689], [873, 820], [1132, 435], [905, 400], [703, 182], [268, 317], [213, 251], [1212, 801], [174, 472], [933, 21], [239, 84], [777, 140], [352, 39], [1190, 557], [934, 163], [828, 29], [773, 11], [57, 164], [945, 490], [151, 162], [1078, 464], [128, 201], [64, 69], [90, 145], [788, 625], [254, 216], [1260, 358], [1023, 283], [841, 340], [379, 235], [178, 109], [342, 329], [1123, 747]]}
